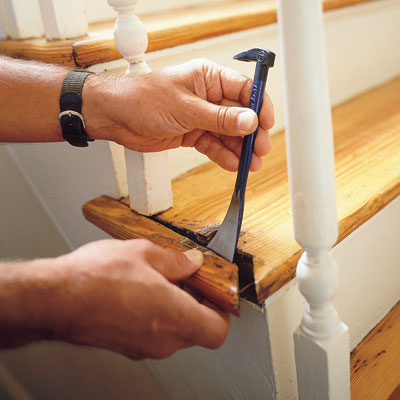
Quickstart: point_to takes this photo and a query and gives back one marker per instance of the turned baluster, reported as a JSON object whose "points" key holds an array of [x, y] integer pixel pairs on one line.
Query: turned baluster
{"points": [[322, 340], [149, 183]]}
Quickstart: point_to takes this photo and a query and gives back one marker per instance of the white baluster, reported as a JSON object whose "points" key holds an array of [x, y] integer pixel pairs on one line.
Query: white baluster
{"points": [[321, 341], [3, 30], [22, 17], [63, 19], [148, 177]]}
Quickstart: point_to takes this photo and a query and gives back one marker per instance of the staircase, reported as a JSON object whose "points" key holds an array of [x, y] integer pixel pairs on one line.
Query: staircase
{"points": [[257, 360]]}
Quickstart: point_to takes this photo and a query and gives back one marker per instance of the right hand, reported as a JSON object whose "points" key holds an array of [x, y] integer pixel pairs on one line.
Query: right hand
{"points": [[198, 104], [124, 300]]}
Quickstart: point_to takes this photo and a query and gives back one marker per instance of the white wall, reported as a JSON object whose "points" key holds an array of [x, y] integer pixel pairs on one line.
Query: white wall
{"points": [[65, 178], [26, 230]]}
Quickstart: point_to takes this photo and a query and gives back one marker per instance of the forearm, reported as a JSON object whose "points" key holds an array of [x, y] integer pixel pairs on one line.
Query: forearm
{"points": [[29, 101], [34, 301]]}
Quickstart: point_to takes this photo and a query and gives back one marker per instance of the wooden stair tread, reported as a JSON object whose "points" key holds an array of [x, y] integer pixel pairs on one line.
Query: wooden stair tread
{"points": [[217, 279], [367, 146], [375, 363], [165, 29]]}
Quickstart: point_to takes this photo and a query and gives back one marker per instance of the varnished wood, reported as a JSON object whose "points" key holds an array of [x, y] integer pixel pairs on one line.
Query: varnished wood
{"points": [[217, 280], [56, 51], [375, 363], [367, 145], [165, 29]]}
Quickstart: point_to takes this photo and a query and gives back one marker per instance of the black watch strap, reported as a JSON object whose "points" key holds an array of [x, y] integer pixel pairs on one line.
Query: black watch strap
{"points": [[70, 117]]}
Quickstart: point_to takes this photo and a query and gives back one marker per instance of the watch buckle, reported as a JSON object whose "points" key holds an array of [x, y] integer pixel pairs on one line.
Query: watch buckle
{"points": [[70, 113]]}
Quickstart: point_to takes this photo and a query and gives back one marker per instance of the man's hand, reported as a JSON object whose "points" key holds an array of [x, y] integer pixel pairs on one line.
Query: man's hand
{"points": [[197, 104], [118, 295]]}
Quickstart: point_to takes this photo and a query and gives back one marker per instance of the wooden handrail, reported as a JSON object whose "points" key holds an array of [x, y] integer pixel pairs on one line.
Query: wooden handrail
{"points": [[165, 29]]}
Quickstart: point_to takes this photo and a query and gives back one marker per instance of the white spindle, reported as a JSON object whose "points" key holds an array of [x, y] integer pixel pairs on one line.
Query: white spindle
{"points": [[22, 18], [63, 19], [148, 178], [3, 30], [321, 341]]}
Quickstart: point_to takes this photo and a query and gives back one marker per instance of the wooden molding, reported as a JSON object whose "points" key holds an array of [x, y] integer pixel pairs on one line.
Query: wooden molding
{"points": [[217, 279], [165, 30]]}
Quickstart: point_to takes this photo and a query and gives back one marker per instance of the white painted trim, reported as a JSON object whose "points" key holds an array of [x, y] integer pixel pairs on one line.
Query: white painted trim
{"points": [[3, 29], [119, 164], [148, 181], [23, 19], [63, 19]]}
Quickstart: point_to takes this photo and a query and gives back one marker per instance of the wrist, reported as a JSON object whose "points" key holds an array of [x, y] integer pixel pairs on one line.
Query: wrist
{"points": [[37, 301], [97, 98]]}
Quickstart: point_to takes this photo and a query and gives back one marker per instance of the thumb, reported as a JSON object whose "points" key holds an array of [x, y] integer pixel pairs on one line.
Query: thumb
{"points": [[175, 266], [231, 121]]}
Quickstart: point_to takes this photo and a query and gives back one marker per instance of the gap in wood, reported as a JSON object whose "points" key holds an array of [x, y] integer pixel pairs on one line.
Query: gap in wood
{"points": [[243, 260]]}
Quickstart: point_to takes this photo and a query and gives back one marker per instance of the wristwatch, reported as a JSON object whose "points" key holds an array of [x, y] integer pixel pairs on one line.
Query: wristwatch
{"points": [[70, 117]]}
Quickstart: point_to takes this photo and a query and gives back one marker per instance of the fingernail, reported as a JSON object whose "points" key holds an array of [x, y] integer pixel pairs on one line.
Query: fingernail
{"points": [[195, 256], [246, 120]]}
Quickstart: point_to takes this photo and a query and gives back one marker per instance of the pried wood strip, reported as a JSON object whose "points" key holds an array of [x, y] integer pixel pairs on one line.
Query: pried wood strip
{"points": [[217, 279]]}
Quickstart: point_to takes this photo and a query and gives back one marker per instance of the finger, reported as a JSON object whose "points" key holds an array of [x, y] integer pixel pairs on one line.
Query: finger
{"points": [[262, 144], [236, 147], [222, 82], [216, 151], [233, 143], [236, 87], [256, 163], [203, 325], [231, 121], [261, 148], [173, 265], [190, 138], [213, 326], [266, 117]]}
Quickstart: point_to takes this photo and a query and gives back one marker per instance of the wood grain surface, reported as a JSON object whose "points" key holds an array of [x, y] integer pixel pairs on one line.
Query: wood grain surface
{"points": [[367, 146], [375, 363], [165, 29], [217, 279]]}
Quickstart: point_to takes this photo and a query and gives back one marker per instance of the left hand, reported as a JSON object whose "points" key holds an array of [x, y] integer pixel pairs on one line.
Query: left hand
{"points": [[197, 104]]}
